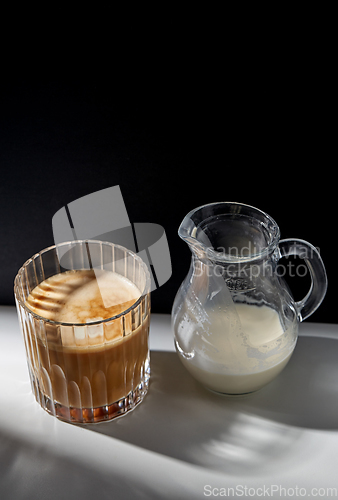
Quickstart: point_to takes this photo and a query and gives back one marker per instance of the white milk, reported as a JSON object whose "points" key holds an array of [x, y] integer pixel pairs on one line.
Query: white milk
{"points": [[253, 354]]}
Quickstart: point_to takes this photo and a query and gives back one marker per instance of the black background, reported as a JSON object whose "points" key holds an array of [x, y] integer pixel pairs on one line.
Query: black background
{"points": [[170, 149]]}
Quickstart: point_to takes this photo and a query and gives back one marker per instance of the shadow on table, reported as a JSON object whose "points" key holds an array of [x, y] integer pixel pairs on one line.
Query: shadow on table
{"points": [[29, 471], [306, 392], [181, 419]]}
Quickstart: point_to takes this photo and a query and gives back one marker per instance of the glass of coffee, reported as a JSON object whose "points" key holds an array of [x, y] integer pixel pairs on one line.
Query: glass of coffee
{"points": [[84, 310]]}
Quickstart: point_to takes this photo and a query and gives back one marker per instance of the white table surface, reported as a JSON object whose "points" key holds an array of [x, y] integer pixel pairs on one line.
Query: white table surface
{"points": [[182, 442]]}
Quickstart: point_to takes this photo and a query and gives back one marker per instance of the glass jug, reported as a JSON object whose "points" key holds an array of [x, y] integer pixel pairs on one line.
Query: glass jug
{"points": [[234, 319]]}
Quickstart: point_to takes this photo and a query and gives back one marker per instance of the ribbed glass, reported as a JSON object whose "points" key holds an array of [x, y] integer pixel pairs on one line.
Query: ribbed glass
{"points": [[73, 377]]}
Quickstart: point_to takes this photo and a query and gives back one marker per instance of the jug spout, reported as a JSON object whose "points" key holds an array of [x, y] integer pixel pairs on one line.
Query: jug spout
{"points": [[229, 232], [195, 238]]}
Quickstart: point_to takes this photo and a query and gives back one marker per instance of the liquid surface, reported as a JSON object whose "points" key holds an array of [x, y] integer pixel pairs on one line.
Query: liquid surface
{"points": [[81, 364], [82, 296], [239, 356]]}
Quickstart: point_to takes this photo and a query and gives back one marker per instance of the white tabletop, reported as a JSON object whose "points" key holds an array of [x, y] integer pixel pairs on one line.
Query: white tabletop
{"points": [[182, 442]]}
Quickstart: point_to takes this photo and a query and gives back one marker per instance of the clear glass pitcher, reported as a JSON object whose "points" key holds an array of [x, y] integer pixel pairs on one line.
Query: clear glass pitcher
{"points": [[234, 319]]}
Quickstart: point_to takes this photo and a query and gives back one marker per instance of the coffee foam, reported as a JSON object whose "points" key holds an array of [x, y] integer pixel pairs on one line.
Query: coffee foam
{"points": [[76, 296]]}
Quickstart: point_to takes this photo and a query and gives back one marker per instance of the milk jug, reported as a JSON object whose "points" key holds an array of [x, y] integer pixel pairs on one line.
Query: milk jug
{"points": [[234, 319]]}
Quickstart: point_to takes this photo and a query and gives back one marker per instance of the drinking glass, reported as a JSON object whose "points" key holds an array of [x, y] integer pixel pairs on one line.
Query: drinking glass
{"points": [[92, 372]]}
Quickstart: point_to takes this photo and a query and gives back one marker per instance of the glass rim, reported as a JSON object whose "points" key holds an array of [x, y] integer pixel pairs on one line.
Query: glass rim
{"points": [[22, 304]]}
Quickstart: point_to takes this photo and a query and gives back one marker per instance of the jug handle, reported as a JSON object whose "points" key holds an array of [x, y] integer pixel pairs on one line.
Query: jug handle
{"points": [[313, 260]]}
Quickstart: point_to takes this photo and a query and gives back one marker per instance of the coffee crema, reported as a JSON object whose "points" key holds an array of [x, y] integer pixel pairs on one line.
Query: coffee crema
{"points": [[93, 349], [83, 296]]}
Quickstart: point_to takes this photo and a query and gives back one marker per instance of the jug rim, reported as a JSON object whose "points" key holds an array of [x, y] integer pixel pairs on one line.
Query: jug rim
{"points": [[194, 220]]}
